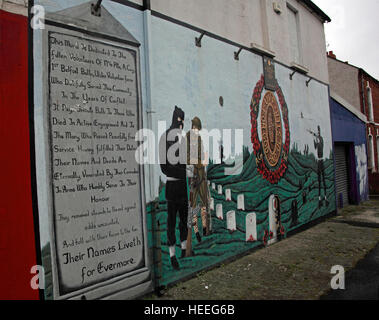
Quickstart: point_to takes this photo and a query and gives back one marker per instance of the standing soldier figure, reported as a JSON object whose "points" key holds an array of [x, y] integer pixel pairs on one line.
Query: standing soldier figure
{"points": [[198, 183], [176, 186], [319, 146]]}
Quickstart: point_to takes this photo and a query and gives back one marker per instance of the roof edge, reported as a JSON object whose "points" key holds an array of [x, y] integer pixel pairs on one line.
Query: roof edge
{"points": [[360, 69], [316, 10], [348, 106], [369, 75]]}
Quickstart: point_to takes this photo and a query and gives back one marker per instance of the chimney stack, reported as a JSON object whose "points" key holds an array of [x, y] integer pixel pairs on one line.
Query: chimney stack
{"points": [[331, 55]]}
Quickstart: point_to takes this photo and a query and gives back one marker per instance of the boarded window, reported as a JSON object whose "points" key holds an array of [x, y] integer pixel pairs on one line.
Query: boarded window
{"points": [[293, 28]]}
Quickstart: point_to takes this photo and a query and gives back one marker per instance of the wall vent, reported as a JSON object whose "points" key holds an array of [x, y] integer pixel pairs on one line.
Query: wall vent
{"points": [[277, 7]]}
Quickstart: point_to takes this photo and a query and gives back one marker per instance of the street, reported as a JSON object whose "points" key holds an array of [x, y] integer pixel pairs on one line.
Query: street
{"points": [[298, 267]]}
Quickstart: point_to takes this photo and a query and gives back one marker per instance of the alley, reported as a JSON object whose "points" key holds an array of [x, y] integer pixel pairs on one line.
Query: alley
{"points": [[298, 267]]}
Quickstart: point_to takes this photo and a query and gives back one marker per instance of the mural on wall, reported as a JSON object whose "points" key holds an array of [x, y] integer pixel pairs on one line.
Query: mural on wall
{"points": [[201, 216], [91, 97], [278, 189], [361, 160], [285, 175]]}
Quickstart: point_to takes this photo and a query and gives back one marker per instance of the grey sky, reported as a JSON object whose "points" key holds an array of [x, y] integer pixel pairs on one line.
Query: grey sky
{"points": [[353, 32]]}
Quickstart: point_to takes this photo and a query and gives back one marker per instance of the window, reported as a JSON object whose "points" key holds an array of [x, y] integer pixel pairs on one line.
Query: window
{"points": [[369, 102], [294, 35]]}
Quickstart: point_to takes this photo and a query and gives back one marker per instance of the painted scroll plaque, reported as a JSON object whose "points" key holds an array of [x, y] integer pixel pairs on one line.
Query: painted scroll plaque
{"points": [[269, 73], [93, 110]]}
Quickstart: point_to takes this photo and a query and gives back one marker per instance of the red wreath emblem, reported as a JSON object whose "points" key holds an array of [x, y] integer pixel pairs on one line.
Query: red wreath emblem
{"points": [[271, 175]]}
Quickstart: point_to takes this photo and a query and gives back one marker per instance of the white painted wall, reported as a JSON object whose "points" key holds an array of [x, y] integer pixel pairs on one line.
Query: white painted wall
{"points": [[194, 78], [254, 21], [237, 20], [15, 6]]}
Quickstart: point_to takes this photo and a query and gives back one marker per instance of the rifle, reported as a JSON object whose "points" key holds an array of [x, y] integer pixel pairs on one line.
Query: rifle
{"points": [[208, 206], [312, 133], [191, 212]]}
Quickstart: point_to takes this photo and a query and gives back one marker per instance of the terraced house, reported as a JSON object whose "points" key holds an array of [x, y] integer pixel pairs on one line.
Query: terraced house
{"points": [[358, 92], [103, 208]]}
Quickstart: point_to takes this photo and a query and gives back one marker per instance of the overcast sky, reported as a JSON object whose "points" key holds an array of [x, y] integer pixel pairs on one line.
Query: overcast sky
{"points": [[353, 34]]}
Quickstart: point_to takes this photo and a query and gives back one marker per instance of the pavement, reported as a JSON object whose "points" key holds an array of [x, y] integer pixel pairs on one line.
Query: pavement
{"points": [[362, 282], [299, 267]]}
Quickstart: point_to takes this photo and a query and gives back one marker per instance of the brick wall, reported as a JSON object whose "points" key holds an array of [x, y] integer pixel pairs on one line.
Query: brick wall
{"points": [[372, 126]]}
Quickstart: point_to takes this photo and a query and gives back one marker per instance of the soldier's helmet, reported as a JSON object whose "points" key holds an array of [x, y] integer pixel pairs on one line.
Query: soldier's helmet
{"points": [[196, 123]]}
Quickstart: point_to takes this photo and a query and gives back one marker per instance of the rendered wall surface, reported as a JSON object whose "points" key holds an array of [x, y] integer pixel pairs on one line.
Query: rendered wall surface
{"points": [[245, 22], [194, 79], [17, 241], [19, 7], [344, 81]]}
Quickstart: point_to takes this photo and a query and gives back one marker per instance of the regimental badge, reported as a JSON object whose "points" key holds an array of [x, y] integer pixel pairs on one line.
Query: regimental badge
{"points": [[271, 152], [271, 129]]}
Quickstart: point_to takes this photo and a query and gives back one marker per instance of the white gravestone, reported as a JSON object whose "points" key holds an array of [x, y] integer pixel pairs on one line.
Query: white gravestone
{"points": [[273, 207], [251, 227], [209, 183], [219, 189], [231, 221], [241, 202], [228, 195], [212, 204], [213, 186], [219, 212]]}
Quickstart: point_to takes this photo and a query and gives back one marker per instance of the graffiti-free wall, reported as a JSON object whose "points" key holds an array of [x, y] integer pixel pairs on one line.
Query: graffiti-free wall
{"points": [[283, 174]]}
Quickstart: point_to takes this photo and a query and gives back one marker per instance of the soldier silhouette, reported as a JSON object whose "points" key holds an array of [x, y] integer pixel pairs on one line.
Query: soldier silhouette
{"points": [[176, 187], [319, 146]]}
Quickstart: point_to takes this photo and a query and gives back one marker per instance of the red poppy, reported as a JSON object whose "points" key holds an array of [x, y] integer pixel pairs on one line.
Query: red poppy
{"points": [[265, 237]]}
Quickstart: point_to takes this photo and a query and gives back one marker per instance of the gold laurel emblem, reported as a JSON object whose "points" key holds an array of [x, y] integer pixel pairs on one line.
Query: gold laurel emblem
{"points": [[271, 129]]}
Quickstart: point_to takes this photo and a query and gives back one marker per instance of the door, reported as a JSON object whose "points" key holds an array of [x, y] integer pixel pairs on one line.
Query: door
{"points": [[342, 175]]}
